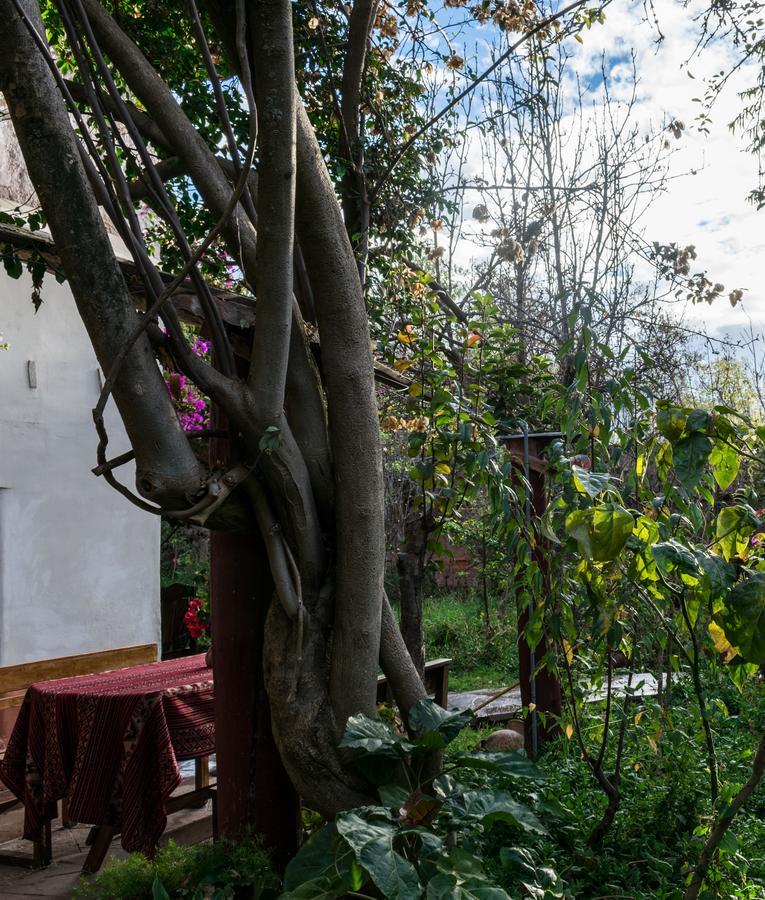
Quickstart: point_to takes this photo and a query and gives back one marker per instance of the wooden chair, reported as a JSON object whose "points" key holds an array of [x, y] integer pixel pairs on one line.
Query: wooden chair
{"points": [[436, 678], [14, 683]]}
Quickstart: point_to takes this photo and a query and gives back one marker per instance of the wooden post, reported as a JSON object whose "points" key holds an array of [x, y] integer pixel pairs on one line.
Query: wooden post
{"points": [[253, 790], [548, 691]]}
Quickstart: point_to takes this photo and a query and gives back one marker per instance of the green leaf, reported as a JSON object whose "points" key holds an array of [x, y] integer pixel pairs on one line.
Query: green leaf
{"points": [[364, 733], [671, 422], [600, 532], [393, 796], [449, 887], [725, 463], [516, 764], [434, 726], [734, 526], [492, 806], [325, 862], [158, 891], [371, 836], [690, 455], [672, 557], [742, 619], [590, 483]]}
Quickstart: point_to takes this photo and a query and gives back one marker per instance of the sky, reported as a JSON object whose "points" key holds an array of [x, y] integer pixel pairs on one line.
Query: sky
{"points": [[708, 209]]}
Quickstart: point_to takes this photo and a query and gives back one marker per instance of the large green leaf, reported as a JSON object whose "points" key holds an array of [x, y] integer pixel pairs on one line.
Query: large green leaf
{"points": [[325, 861], [364, 733], [492, 806], [725, 462], [600, 532], [690, 455], [742, 619], [371, 834], [735, 524], [434, 726], [517, 764], [449, 887], [590, 483], [672, 557], [671, 422]]}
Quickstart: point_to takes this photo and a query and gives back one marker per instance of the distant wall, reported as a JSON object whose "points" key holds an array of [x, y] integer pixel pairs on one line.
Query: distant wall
{"points": [[79, 565]]}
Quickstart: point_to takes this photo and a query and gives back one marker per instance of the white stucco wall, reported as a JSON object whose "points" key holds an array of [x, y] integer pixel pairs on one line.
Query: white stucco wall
{"points": [[79, 565]]}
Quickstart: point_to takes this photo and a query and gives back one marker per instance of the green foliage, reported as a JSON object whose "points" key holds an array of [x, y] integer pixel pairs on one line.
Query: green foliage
{"points": [[425, 836], [453, 628], [201, 872]]}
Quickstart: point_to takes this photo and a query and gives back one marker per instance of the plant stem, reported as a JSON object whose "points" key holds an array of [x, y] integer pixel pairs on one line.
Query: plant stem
{"points": [[724, 822]]}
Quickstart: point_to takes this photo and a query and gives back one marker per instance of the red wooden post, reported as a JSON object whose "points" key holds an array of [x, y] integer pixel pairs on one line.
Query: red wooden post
{"points": [[253, 789], [547, 687]]}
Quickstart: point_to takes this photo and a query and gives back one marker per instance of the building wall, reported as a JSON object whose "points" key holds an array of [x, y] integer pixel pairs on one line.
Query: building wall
{"points": [[79, 565]]}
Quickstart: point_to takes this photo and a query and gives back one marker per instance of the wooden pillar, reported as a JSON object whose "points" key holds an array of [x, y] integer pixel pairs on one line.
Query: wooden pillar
{"points": [[254, 791], [548, 690]]}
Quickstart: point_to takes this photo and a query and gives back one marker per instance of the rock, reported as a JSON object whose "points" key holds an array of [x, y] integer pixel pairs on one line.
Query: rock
{"points": [[502, 741]]}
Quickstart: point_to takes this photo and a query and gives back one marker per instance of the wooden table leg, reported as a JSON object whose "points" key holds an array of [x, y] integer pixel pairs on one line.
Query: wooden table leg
{"points": [[66, 822], [43, 850], [98, 849]]}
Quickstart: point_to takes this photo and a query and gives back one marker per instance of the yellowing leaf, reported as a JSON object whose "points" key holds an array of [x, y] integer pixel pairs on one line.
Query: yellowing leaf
{"points": [[722, 644], [415, 389], [569, 730], [569, 652], [473, 339], [639, 716], [401, 365], [406, 337]]}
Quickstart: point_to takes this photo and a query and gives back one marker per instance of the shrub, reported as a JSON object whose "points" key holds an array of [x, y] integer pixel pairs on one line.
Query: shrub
{"points": [[212, 871]]}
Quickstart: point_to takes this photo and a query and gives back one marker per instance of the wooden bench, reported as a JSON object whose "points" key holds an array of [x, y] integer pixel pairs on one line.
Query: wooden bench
{"points": [[436, 678], [17, 679]]}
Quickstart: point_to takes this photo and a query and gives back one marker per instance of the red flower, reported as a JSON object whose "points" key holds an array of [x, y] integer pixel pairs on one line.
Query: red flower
{"points": [[195, 627]]}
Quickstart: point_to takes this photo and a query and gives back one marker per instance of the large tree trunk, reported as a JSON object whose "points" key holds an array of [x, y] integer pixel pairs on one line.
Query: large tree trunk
{"points": [[324, 542]]}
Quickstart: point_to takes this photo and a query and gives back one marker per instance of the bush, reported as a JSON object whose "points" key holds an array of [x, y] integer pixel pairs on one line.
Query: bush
{"points": [[210, 871]]}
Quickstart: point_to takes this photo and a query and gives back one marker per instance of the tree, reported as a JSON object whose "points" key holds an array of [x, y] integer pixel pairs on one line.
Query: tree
{"points": [[141, 116]]}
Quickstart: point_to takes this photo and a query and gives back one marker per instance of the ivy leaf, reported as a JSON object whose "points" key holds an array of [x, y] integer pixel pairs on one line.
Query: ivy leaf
{"points": [[725, 463], [743, 619], [371, 835], [690, 455], [600, 532]]}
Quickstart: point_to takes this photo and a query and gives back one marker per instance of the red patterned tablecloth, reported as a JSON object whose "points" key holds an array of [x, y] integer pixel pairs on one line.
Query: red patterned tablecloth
{"points": [[110, 743]]}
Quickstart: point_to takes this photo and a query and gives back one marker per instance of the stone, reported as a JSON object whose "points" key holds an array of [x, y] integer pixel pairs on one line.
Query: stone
{"points": [[502, 741]]}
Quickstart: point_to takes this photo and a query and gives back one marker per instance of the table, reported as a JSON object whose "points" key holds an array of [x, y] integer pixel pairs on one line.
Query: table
{"points": [[109, 745]]}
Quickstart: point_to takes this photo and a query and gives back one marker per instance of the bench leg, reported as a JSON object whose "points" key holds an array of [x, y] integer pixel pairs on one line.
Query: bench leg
{"points": [[442, 690], [99, 846], [201, 777]]}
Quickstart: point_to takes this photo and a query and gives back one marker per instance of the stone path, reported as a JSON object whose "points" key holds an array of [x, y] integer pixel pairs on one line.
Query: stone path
{"points": [[508, 706]]}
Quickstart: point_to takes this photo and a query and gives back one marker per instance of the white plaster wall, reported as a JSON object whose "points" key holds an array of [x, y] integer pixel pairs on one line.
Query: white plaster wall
{"points": [[79, 565]]}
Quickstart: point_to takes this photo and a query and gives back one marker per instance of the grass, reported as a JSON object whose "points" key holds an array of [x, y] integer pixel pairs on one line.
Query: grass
{"points": [[453, 627]]}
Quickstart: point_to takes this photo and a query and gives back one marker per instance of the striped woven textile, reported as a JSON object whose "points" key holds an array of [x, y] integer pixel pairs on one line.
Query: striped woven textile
{"points": [[110, 744]]}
